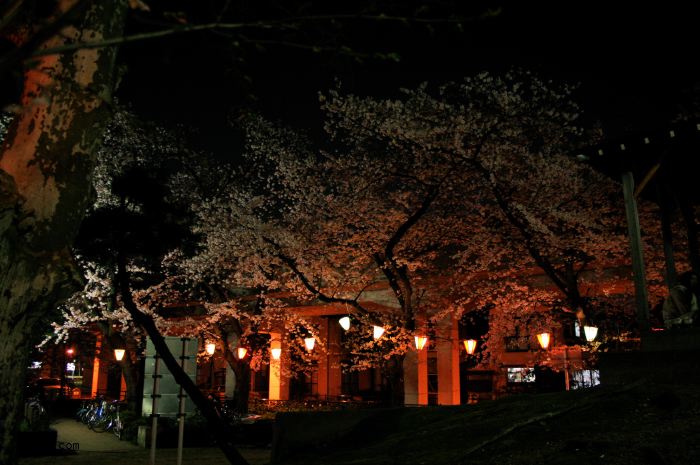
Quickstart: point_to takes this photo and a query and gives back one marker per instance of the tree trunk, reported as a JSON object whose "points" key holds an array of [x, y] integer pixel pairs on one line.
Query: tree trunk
{"points": [[241, 370], [394, 383], [132, 377], [45, 172], [692, 231], [217, 427]]}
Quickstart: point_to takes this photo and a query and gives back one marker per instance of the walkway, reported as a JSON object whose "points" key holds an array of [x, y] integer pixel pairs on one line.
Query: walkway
{"points": [[106, 449], [71, 432]]}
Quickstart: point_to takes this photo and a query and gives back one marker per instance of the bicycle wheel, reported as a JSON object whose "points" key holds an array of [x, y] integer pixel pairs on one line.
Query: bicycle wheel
{"points": [[100, 426]]}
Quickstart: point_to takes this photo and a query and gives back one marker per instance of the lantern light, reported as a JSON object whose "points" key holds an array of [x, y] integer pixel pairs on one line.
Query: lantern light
{"points": [[543, 339], [211, 348], [470, 346], [309, 342], [276, 353], [241, 352], [591, 332], [378, 331], [70, 351], [420, 342], [119, 354], [345, 322]]}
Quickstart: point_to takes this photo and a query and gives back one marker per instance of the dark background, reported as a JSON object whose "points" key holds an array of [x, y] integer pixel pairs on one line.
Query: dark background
{"points": [[636, 65]]}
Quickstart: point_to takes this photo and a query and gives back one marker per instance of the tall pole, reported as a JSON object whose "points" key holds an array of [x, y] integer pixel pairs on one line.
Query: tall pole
{"points": [[635, 236], [181, 412], [154, 409]]}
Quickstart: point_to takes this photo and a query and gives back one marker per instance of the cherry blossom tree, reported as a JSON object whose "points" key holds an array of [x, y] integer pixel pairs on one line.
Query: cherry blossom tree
{"points": [[472, 177]]}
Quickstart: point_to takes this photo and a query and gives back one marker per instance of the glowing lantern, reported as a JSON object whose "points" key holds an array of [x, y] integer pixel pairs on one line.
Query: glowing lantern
{"points": [[309, 342], [591, 332], [543, 339], [210, 348], [470, 346], [378, 331], [70, 351], [241, 352], [119, 354], [345, 322], [420, 342], [276, 353]]}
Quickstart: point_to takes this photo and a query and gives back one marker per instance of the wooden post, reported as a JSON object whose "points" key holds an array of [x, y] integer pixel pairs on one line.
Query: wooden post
{"points": [[639, 275]]}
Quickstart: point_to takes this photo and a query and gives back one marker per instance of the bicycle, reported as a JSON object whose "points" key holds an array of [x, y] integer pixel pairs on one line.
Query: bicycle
{"points": [[109, 420]]}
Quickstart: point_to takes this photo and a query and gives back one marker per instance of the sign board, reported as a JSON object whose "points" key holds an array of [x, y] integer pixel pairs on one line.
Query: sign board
{"points": [[169, 390]]}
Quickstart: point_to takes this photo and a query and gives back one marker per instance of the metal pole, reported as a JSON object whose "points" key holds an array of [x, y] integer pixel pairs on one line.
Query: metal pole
{"points": [[566, 367], [328, 359], [154, 409], [181, 413], [635, 236]]}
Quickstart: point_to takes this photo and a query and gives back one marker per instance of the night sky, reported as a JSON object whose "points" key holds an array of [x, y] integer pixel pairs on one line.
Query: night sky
{"points": [[635, 66]]}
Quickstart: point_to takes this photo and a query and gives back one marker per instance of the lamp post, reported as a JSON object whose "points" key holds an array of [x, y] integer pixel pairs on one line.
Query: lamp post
{"points": [[68, 353], [470, 346], [119, 356], [210, 349]]}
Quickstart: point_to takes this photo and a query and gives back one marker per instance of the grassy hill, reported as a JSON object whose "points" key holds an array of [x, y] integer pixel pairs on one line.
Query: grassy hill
{"points": [[641, 423]]}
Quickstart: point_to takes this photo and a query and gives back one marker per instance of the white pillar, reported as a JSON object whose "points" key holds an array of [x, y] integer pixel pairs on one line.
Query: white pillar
{"points": [[415, 369], [447, 346], [279, 384]]}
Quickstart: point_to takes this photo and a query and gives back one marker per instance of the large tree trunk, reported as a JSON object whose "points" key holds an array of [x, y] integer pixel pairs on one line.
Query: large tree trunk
{"points": [[45, 171]]}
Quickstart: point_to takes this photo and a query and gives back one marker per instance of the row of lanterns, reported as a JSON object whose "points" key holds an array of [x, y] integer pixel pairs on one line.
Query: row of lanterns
{"points": [[544, 339], [589, 332]]}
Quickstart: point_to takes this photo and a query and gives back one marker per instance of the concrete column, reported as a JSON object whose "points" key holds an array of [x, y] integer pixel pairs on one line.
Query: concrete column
{"points": [[96, 367], [279, 384], [415, 376], [329, 372], [230, 381], [447, 347]]}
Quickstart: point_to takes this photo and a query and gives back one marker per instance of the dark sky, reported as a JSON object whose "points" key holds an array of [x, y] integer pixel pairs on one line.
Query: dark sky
{"points": [[634, 65]]}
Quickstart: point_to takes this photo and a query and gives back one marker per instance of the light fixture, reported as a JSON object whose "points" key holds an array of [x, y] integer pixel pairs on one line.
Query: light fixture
{"points": [[378, 331], [70, 351], [543, 339], [345, 322], [119, 354], [420, 342], [470, 346], [210, 348], [591, 332], [276, 353], [241, 352], [309, 342]]}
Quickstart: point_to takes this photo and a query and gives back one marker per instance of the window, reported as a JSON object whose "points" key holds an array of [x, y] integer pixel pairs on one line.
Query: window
{"points": [[521, 375], [585, 378]]}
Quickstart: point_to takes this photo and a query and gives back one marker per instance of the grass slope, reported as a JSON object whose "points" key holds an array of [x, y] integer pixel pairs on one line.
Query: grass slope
{"points": [[638, 424]]}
